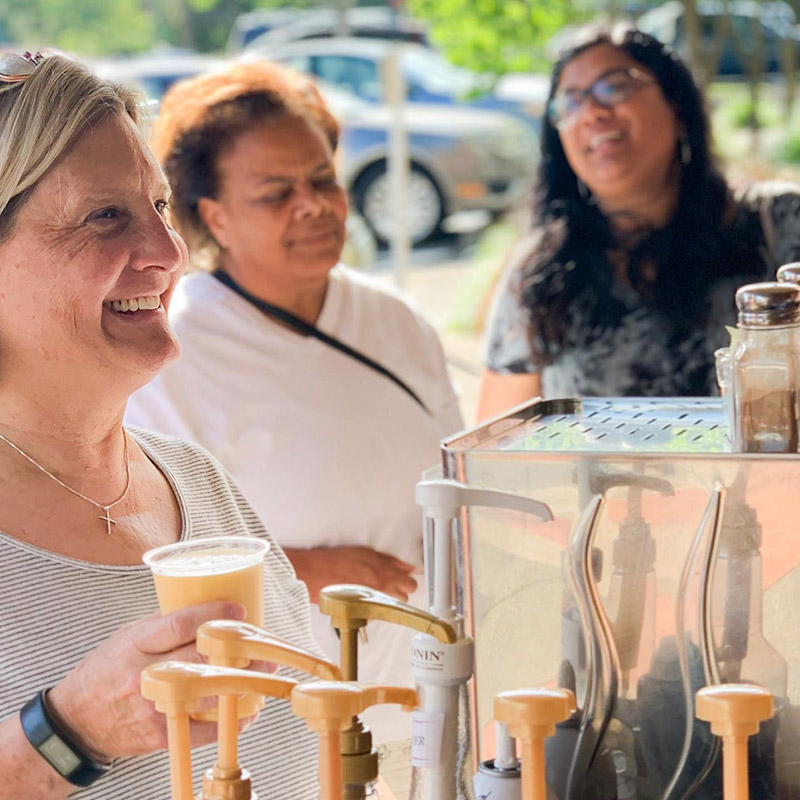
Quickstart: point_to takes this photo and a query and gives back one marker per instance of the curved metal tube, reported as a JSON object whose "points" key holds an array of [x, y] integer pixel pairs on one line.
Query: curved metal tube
{"points": [[714, 508], [710, 666], [707, 649], [602, 668], [601, 481]]}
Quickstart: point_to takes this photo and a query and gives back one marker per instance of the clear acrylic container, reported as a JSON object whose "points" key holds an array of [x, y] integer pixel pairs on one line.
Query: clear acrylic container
{"points": [[671, 563]]}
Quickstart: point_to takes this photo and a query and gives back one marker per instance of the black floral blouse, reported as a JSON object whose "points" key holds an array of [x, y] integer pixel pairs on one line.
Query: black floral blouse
{"points": [[638, 353]]}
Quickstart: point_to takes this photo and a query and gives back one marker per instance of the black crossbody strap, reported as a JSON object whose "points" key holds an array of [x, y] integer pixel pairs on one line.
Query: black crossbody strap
{"points": [[307, 329]]}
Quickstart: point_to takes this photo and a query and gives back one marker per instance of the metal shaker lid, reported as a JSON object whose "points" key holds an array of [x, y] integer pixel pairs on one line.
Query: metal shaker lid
{"points": [[789, 273], [768, 304]]}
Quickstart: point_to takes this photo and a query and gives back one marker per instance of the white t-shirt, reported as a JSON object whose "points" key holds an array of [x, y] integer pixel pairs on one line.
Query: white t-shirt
{"points": [[326, 449]]}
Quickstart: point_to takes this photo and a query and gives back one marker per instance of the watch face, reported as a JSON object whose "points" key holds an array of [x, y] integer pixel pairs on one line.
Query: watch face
{"points": [[59, 755]]}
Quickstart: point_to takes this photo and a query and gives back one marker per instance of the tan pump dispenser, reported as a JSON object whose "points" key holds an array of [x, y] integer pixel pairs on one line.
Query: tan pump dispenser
{"points": [[228, 643], [735, 711], [328, 709], [350, 608], [177, 688], [531, 716]]}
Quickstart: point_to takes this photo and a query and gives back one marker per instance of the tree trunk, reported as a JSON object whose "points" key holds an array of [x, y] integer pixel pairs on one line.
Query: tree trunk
{"points": [[789, 70], [177, 16], [753, 56], [704, 54], [693, 33], [342, 17]]}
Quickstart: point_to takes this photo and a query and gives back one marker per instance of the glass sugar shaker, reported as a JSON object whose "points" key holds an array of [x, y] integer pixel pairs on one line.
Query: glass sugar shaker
{"points": [[765, 369]]}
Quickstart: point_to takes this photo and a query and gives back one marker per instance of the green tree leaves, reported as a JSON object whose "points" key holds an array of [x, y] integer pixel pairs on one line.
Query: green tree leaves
{"points": [[88, 27], [495, 35]]}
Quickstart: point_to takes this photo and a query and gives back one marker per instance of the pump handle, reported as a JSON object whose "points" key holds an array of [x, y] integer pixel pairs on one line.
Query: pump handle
{"points": [[226, 640], [327, 706], [531, 716], [176, 687], [533, 713], [443, 498], [734, 709], [350, 607]]}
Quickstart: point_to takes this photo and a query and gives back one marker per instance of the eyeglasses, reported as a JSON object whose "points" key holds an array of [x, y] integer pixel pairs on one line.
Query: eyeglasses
{"points": [[15, 68], [607, 91]]}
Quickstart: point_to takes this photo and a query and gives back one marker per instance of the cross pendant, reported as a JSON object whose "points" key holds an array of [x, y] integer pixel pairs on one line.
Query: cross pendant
{"points": [[108, 521]]}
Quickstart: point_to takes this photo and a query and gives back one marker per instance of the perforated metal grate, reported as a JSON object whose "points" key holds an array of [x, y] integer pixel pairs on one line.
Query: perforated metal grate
{"points": [[610, 425]]}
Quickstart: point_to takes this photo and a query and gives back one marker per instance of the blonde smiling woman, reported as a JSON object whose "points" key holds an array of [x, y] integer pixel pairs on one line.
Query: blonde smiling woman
{"points": [[89, 267]]}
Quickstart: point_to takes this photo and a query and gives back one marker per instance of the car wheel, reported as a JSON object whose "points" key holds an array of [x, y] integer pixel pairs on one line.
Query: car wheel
{"points": [[372, 198]]}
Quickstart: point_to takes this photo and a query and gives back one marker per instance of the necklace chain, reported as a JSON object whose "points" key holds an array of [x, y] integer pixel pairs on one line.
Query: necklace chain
{"points": [[106, 507]]}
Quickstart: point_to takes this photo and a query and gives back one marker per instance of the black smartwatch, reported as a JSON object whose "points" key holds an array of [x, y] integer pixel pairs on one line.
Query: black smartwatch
{"points": [[55, 746]]}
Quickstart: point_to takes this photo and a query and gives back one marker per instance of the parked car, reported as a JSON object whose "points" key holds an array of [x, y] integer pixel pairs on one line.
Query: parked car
{"points": [[153, 73], [775, 19], [528, 89], [277, 25], [461, 158], [355, 65]]}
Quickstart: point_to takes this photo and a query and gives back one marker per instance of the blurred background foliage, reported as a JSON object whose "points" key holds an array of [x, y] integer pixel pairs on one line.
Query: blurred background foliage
{"points": [[754, 114], [111, 27], [490, 35], [497, 35]]}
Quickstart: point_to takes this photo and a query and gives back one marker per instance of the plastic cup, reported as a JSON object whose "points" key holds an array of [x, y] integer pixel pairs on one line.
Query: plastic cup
{"points": [[210, 568]]}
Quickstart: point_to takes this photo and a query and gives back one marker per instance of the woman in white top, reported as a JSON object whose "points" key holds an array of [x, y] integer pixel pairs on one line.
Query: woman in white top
{"points": [[89, 267], [326, 448]]}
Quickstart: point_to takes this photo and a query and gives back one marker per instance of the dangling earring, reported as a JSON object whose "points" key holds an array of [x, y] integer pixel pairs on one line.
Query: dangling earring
{"points": [[686, 152], [583, 189]]}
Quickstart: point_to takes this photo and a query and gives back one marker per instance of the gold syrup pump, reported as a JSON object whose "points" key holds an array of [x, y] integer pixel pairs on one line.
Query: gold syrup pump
{"points": [[229, 643], [177, 689], [350, 608], [328, 709], [531, 716], [735, 711]]}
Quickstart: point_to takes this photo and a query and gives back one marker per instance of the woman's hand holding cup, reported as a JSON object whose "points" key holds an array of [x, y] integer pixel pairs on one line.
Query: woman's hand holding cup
{"points": [[99, 701]]}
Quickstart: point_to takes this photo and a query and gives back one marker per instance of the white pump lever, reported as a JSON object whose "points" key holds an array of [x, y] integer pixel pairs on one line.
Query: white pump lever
{"points": [[444, 498], [442, 670], [441, 500]]}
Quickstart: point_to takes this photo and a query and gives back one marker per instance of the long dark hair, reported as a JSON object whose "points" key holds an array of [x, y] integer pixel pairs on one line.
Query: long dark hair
{"points": [[687, 256]]}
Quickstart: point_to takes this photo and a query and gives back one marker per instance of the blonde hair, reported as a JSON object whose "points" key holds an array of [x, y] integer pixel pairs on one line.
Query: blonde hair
{"points": [[41, 117], [202, 117]]}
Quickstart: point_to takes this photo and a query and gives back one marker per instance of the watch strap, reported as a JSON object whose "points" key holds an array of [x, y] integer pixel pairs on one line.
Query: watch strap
{"points": [[55, 746]]}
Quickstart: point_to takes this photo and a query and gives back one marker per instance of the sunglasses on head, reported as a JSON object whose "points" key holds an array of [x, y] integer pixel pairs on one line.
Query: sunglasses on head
{"points": [[609, 90], [16, 68]]}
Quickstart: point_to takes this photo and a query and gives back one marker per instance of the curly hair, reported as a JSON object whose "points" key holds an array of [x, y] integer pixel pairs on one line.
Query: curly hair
{"points": [[200, 120], [695, 249]]}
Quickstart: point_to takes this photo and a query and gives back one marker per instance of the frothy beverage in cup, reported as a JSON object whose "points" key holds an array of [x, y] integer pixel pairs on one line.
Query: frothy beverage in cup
{"points": [[210, 568]]}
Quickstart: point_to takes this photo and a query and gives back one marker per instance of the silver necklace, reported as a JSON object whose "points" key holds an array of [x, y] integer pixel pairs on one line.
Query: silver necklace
{"points": [[106, 516]]}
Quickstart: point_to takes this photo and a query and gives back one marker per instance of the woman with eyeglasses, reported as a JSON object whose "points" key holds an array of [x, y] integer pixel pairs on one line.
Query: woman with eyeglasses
{"points": [[626, 278], [89, 269]]}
